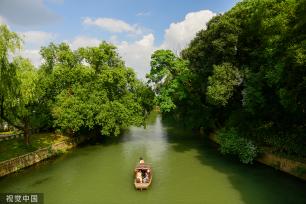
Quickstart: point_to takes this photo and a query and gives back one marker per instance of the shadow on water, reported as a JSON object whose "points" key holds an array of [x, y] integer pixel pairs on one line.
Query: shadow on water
{"points": [[40, 181], [100, 169], [256, 183], [124, 136]]}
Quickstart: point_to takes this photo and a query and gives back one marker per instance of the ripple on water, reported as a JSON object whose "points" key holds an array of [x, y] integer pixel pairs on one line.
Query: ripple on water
{"points": [[185, 170]]}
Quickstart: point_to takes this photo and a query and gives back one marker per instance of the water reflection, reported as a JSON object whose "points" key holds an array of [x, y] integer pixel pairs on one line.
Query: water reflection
{"points": [[150, 143], [186, 170]]}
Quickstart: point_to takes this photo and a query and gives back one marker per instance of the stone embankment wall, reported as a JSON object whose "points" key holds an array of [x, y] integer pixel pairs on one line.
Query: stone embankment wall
{"points": [[289, 166], [10, 136], [17, 163]]}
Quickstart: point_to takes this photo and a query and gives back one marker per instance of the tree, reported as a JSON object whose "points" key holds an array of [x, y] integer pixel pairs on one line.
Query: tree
{"points": [[86, 89], [49, 55], [222, 83], [9, 42], [16, 83], [245, 71], [169, 77], [101, 57], [101, 95], [24, 105]]}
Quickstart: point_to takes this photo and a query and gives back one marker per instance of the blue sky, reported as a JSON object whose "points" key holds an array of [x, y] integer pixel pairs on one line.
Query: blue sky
{"points": [[136, 27]]}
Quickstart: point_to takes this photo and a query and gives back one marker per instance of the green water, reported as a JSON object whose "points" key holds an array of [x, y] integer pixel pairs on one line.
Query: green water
{"points": [[185, 171]]}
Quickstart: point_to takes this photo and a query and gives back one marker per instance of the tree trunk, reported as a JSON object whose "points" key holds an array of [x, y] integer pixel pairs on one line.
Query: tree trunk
{"points": [[5, 118], [25, 127], [26, 132]]}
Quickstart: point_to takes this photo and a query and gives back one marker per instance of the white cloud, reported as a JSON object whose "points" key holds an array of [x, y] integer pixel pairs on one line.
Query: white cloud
{"points": [[138, 54], [32, 54], [135, 54], [33, 40], [179, 34], [37, 37], [113, 25], [84, 41]]}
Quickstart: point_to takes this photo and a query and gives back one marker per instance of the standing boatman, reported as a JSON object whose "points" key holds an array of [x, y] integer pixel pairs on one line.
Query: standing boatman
{"points": [[141, 161]]}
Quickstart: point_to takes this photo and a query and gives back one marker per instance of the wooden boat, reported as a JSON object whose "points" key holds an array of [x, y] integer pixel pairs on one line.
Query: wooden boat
{"points": [[143, 168]]}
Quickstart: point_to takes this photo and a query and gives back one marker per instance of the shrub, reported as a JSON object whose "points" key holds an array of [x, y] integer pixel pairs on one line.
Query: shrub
{"points": [[232, 143]]}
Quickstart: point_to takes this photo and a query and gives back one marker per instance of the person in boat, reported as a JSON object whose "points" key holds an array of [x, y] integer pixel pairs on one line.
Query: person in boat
{"points": [[148, 172], [146, 177], [141, 161], [139, 176]]}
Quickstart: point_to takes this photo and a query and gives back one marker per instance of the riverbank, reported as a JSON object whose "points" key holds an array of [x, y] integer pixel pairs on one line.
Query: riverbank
{"points": [[99, 172], [47, 149], [289, 166], [15, 147]]}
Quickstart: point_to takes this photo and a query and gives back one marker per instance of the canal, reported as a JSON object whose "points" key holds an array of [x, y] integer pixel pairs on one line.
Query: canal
{"points": [[186, 170]]}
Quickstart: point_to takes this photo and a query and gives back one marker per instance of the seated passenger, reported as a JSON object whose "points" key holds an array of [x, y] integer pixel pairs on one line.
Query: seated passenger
{"points": [[146, 177], [138, 177], [148, 172]]}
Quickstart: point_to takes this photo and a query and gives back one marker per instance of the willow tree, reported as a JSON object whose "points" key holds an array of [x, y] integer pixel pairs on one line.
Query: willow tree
{"points": [[18, 94], [26, 101], [9, 43]]}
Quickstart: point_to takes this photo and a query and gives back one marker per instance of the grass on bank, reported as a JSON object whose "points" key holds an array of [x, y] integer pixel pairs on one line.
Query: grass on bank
{"points": [[16, 147], [7, 133]]}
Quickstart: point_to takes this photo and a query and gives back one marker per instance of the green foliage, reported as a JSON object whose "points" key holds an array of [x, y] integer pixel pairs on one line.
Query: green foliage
{"points": [[170, 78], [101, 94], [49, 55], [252, 94], [232, 143], [222, 83], [246, 70], [18, 95], [145, 96], [163, 66], [300, 171], [9, 43], [25, 100], [13, 148], [100, 57], [89, 88]]}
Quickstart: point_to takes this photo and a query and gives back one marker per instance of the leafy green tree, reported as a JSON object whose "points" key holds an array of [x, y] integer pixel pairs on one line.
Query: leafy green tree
{"points": [[91, 89], [17, 85], [163, 65], [245, 71], [24, 104], [222, 83], [101, 57], [9, 43], [169, 76], [144, 95], [49, 55]]}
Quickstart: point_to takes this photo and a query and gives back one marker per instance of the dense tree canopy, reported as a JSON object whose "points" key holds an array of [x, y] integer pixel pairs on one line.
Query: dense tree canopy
{"points": [[87, 89], [92, 89], [246, 74], [9, 42], [18, 94]]}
